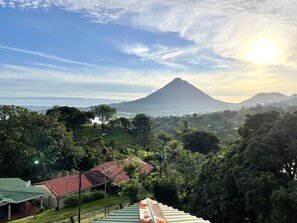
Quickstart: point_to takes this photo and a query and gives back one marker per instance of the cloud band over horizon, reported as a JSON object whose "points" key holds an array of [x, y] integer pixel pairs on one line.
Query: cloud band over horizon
{"points": [[134, 47]]}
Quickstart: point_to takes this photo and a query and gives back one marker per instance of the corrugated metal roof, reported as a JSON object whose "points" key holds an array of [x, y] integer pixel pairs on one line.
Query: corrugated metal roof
{"points": [[14, 190], [131, 215], [175, 216], [69, 184], [115, 169]]}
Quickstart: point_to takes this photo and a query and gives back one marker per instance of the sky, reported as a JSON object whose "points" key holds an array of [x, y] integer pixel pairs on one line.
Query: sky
{"points": [[124, 50]]}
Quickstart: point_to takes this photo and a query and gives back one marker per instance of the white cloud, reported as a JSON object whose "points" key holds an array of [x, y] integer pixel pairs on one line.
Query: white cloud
{"points": [[157, 53], [49, 56], [224, 27], [221, 32]]}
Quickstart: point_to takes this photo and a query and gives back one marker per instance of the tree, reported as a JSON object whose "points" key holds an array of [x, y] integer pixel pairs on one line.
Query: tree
{"points": [[166, 191], [201, 141], [164, 138], [184, 129], [258, 175], [135, 188], [268, 159], [104, 112], [26, 136], [143, 128], [124, 122], [72, 117], [216, 196]]}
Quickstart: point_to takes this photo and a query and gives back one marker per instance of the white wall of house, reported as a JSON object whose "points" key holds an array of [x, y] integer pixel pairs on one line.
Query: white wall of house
{"points": [[48, 197], [51, 197]]}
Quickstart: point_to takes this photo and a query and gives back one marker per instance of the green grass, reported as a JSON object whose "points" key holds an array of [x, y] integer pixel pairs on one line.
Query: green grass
{"points": [[117, 134], [67, 212]]}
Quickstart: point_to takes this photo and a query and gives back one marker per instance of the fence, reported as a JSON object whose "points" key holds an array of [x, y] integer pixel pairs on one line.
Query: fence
{"points": [[91, 216]]}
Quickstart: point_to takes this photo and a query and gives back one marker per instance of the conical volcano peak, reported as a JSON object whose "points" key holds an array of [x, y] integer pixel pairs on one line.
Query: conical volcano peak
{"points": [[178, 83], [176, 97], [178, 79]]}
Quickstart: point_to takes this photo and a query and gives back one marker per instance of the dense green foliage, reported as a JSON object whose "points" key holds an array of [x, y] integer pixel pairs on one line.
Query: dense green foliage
{"points": [[71, 117], [201, 141], [257, 177], [143, 128], [26, 136], [218, 166]]}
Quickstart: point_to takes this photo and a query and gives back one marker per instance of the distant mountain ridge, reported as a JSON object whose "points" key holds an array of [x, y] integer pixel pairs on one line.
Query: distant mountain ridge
{"points": [[264, 98], [177, 97]]}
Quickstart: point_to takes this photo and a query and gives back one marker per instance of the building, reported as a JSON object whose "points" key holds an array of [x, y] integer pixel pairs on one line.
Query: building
{"points": [[58, 189], [150, 211], [15, 195], [116, 172]]}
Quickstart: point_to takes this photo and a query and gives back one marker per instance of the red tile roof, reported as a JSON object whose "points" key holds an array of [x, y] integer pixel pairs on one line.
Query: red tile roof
{"points": [[115, 169], [68, 185]]}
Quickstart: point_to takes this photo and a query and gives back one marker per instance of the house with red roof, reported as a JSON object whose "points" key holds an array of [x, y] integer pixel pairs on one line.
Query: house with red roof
{"points": [[58, 189], [115, 171]]}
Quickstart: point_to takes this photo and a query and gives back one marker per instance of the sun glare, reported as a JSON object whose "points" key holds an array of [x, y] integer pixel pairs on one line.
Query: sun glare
{"points": [[263, 52]]}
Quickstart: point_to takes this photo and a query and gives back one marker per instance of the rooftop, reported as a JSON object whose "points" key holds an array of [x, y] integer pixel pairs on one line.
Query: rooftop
{"points": [[115, 169], [15, 190], [70, 184], [153, 212]]}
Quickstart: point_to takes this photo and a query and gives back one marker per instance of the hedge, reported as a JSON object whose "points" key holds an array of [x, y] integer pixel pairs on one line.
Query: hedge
{"points": [[85, 197]]}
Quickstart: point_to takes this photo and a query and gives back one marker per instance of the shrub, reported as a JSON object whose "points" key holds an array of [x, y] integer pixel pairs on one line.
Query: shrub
{"points": [[85, 197], [98, 194], [71, 201]]}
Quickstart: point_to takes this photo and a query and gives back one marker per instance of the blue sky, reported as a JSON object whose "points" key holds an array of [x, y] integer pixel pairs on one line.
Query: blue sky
{"points": [[127, 49]]}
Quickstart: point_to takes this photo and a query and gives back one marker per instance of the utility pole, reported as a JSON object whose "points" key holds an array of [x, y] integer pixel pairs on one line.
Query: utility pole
{"points": [[105, 194], [51, 198], [79, 192]]}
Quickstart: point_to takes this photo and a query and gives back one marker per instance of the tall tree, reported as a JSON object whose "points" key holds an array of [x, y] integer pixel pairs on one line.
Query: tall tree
{"points": [[164, 138], [143, 127], [104, 112]]}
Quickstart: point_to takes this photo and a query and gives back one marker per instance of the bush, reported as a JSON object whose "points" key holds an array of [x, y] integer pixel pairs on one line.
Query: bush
{"points": [[71, 201], [85, 197], [98, 195]]}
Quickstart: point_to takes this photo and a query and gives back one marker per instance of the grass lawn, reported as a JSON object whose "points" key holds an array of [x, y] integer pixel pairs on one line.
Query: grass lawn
{"points": [[67, 212], [119, 135]]}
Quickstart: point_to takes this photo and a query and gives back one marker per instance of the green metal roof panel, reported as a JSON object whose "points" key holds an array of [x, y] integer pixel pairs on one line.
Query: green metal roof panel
{"points": [[131, 215], [15, 190]]}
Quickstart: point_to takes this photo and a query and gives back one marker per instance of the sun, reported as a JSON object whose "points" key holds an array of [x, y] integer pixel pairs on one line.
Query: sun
{"points": [[263, 52]]}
